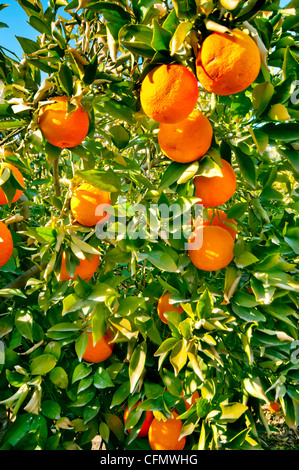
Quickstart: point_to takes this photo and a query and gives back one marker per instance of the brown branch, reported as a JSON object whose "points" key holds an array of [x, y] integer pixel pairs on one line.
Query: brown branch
{"points": [[56, 177], [22, 280]]}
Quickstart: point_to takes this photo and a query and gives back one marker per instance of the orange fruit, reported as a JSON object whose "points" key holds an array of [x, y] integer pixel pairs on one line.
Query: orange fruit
{"points": [[227, 64], [60, 128], [100, 351], [6, 244], [18, 175], [169, 93], [165, 435], [85, 270], [164, 305], [219, 218], [190, 401], [274, 407], [86, 201], [216, 190], [210, 248], [147, 421], [187, 140]]}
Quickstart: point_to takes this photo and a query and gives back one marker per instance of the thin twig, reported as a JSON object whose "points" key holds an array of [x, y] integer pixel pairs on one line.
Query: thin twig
{"points": [[56, 177]]}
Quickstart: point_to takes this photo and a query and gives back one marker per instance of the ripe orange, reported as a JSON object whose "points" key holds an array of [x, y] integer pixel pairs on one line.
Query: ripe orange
{"points": [[18, 175], [100, 351], [61, 128], [210, 248], [219, 218], [164, 435], [216, 190], [6, 244], [86, 200], [146, 424], [187, 140], [169, 93], [164, 305], [85, 270], [227, 64]]}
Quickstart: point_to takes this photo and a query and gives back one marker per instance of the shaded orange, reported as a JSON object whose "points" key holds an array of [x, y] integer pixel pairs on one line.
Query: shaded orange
{"points": [[187, 140], [216, 190], [169, 93], [164, 305], [18, 175], [6, 244], [164, 435], [274, 407], [100, 351], [190, 401], [60, 128], [210, 248], [227, 64], [85, 202], [147, 421], [218, 218], [85, 270]]}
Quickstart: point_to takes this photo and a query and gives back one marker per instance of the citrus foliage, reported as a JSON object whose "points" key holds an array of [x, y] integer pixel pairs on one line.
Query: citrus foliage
{"points": [[236, 340]]}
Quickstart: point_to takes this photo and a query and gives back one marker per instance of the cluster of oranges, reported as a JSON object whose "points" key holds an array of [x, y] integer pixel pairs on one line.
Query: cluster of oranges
{"points": [[226, 64], [6, 241]]}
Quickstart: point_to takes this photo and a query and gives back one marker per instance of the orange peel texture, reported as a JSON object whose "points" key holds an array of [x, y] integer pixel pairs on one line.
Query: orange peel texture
{"points": [[227, 64], [169, 93], [187, 140], [216, 190], [60, 128]]}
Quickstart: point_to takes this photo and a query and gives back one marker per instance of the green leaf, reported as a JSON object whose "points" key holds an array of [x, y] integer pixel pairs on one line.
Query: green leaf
{"points": [[179, 36], [173, 172], [162, 260], [185, 9], [292, 155], [90, 71], [254, 387], [28, 46], [261, 96], [81, 345], [292, 238], [137, 364], [178, 356], [121, 394], [246, 166], [161, 37], [102, 379], [285, 132], [99, 322], [120, 136], [51, 409], [290, 63], [106, 180], [129, 305], [58, 377], [246, 259], [65, 78], [112, 12], [42, 364], [230, 412]]}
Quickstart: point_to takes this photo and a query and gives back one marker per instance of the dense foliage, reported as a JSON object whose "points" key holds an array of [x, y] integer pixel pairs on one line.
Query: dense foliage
{"points": [[237, 340]]}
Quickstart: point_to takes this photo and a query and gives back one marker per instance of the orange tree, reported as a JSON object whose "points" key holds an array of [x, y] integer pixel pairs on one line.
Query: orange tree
{"points": [[229, 348]]}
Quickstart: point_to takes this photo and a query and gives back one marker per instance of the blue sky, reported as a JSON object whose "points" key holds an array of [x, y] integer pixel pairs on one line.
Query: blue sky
{"points": [[16, 19]]}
